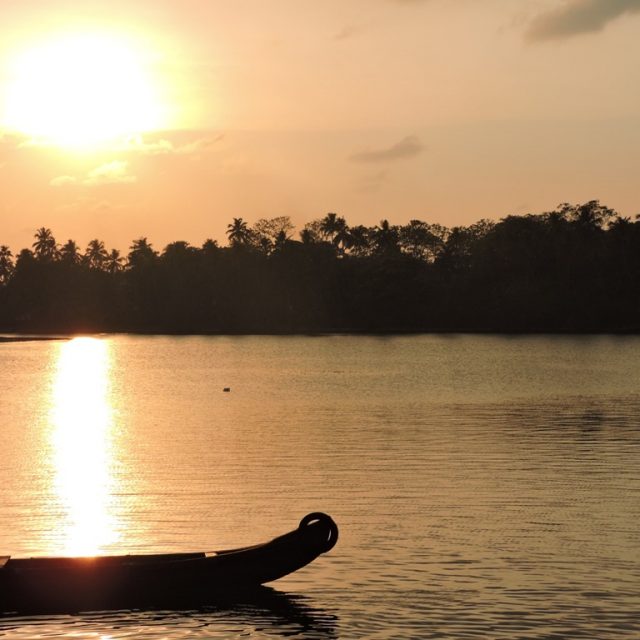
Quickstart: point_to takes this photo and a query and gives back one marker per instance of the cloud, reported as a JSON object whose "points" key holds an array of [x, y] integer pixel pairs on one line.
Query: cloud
{"points": [[577, 17], [407, 148], [61, 181], [137, 144], [140, 145], [202, 144], [114, 172]]}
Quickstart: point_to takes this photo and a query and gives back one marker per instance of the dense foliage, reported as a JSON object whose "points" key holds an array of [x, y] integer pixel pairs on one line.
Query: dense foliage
{"points": [[573, 269]]}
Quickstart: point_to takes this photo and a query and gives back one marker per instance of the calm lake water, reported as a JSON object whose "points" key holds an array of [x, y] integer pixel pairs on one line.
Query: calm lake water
{"points": [[485, 487]]}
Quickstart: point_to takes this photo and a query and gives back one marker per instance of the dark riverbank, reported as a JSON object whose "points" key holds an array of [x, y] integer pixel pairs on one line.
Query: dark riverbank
{"points": [[38, 338], [321, 334], [573, 270]]}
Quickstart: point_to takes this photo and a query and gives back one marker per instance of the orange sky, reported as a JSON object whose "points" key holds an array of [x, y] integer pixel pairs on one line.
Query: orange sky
{"points": [[443, 110]]}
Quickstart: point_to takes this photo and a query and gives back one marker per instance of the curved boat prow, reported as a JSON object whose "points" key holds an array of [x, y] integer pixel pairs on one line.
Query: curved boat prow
{"points": [[327, 526], [153, 579], [316, 534]]}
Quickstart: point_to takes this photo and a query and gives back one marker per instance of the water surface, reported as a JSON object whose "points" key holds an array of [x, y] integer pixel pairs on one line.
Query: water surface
{"points": [[484, 486]]}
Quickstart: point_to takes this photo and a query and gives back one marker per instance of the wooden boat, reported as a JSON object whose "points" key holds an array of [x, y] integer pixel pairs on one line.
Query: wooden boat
{"points": [[171, 579]]}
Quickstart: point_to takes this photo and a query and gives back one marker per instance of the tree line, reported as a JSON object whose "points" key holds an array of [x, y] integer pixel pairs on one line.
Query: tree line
{"points": [[576, 268]]}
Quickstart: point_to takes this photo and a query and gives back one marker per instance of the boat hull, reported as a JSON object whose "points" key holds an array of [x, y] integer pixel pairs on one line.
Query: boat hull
{"points": [[184, 579]]}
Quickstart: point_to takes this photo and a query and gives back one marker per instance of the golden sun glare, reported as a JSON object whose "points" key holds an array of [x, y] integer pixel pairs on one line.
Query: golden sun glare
{"points": [[82, 438], [81, 90]]}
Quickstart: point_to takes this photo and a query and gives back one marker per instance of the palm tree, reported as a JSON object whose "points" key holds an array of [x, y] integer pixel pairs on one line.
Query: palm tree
{"points": [[113, 262], [342, 239], [331, 225], [140, 252], [238, 233], [6, 264], [360, 240], [95, 255], [385, 237], [178, 248], [45, 247], [335, 229], [70, 253]]}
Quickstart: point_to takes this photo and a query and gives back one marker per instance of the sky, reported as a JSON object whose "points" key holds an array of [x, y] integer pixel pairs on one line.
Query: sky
{"points": [[166, 119]]}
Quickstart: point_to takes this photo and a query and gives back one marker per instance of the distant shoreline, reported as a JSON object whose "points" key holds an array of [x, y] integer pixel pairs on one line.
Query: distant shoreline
{"points": [[16, 338], [575, 270], [319, 334]]}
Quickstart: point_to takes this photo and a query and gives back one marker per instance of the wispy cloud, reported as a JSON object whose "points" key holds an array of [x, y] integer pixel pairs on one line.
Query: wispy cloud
{"points": [[577, 17], [199, 145], [138, 144], [114, 172], [407, 148], [61, 181]]}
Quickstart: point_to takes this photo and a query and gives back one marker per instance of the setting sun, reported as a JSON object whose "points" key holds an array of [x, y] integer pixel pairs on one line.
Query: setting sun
{"points": [[81, 90]]}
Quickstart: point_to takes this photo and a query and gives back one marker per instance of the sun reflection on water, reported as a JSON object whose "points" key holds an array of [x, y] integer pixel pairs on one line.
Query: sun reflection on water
{"points": [[82, 434]]}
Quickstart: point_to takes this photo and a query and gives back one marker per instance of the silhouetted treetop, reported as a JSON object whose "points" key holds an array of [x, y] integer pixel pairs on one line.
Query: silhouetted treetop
{"points": [[45, 247], [141, 254], [6, 264], [238, 233]]}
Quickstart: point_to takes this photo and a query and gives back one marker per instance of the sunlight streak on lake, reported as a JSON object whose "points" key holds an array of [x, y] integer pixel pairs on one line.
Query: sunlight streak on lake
{"points": [[82, 421]]}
